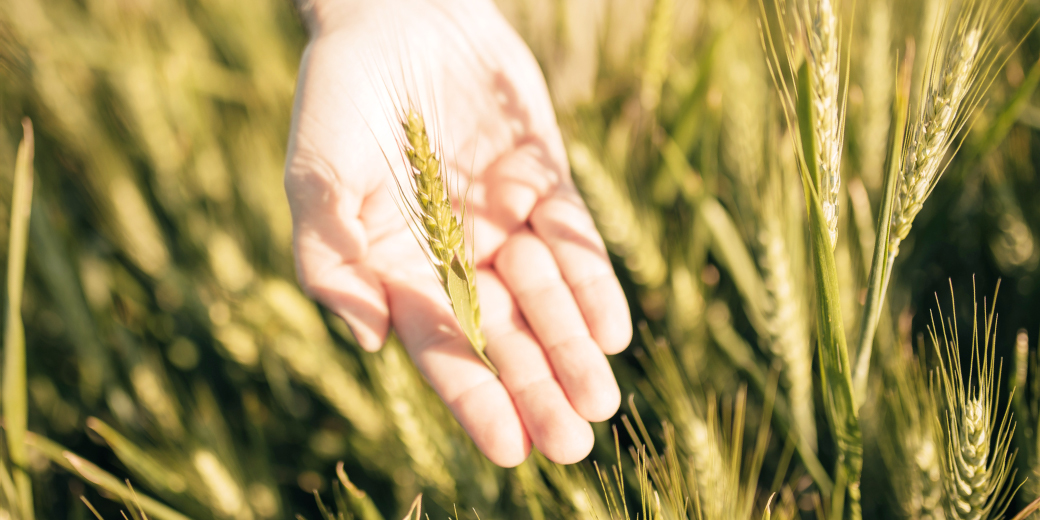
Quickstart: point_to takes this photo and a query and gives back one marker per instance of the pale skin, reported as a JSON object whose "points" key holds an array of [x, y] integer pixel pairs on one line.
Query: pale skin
{"points": [[552, 306]]}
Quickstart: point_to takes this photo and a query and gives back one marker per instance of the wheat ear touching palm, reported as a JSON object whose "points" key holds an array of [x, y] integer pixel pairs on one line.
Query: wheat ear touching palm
{"points": [[551, 305]]}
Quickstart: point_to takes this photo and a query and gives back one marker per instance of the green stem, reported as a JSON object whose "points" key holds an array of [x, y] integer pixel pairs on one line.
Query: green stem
{"points": [[835, 369], [885, 250], [735, 257]]}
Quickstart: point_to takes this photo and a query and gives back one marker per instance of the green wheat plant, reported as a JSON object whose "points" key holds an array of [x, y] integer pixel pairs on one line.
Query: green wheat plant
{"points": [[426, 201], [14, 481], [973, 433], [910, 448], [782, 187], [961, 69]]}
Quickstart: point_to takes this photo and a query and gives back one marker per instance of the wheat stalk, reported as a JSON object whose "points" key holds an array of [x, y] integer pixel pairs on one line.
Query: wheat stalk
{"points": [[439, 232]]}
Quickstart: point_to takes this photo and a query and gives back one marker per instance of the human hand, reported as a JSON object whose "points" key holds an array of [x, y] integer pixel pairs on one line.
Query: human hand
{"points": [[552, 306]]}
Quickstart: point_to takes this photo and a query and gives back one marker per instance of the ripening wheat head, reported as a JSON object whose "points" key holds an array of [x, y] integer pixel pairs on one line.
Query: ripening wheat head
{"points": [[961, 69], [440, 228], [909, 446], [439, 232], [822, 37]]}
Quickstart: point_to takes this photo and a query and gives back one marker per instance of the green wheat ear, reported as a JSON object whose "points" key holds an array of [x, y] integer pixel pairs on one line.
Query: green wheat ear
{"points": [[977, 461], [438, 231]]}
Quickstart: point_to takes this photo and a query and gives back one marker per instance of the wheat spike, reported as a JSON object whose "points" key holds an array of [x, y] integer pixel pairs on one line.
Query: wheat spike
{"points": [[933, 133], [744, 151], [710, 476], [789, 338], [962, 67], [928, 498], [745, 108], [823, 67], [658, 39], [627, 233], [419, 437], [439, 232], [976, 463], [910, 450]]}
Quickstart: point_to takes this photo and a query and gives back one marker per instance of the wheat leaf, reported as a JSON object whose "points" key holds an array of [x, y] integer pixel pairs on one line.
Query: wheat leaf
{"points": [[458, 284], [360, 503], [836, 371], [98, 477], [805, 121], [15, 405]]}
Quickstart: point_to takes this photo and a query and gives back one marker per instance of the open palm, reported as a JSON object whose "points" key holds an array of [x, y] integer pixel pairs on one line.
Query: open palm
{"points": [[551, 304]]}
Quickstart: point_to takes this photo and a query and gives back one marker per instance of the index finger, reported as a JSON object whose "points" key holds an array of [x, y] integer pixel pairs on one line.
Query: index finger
{"points": [[563, 222]]}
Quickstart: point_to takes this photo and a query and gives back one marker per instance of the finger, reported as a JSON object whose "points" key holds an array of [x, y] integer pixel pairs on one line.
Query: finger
{"points": [[512, 184], [555, 428], [564, 224], [429, 331], [529, 271]]}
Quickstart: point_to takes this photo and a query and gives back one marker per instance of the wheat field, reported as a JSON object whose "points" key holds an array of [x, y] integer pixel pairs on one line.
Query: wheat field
{"points": [[824, 214]]}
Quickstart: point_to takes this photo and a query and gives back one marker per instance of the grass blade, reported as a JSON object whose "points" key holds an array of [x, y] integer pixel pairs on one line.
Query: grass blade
{"points": [[143, 464], [15, 406], [1030, 509], [99, 478], [360, 503]]}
